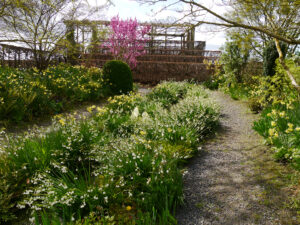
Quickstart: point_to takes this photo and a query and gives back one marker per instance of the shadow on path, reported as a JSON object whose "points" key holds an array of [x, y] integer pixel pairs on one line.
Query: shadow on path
{"points": [[234, 180]]}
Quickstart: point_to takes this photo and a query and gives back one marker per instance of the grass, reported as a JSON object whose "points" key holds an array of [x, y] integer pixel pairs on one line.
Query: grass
{"points": [[279, 183]]}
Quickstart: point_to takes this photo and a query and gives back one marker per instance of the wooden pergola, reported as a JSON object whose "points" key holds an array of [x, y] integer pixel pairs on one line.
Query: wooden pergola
{"points": [[168, 34]]}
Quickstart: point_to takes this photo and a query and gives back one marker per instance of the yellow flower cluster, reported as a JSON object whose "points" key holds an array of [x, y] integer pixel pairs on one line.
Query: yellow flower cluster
{"points": [[91, 108], [290, 128], [273, 132], [20, 90], [279, 121]]}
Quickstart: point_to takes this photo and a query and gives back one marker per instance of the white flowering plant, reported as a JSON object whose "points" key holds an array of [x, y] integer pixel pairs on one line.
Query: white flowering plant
{"points": [[123, 164]]}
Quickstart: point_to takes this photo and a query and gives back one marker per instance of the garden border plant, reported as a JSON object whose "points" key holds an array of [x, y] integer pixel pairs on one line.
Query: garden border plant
{"points": [[28, 94], [121, 165]]}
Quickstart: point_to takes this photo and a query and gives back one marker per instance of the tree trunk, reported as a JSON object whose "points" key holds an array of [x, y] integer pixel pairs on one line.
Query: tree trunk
{"points": [[286, 68]]}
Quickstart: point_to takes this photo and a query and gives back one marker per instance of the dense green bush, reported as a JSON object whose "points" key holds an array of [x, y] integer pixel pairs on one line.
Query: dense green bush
{"points": [[120, 166], [271, 90], [119, 76], [25, 94], [231, 72], [233, 60], [168, 93], [270, 55]]}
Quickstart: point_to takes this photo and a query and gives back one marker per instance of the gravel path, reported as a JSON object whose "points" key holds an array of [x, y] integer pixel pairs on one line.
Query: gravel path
{"points": [[225, 184]]}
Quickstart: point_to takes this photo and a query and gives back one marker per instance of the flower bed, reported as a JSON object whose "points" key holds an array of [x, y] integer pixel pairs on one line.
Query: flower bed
{"points": [[121, 166], [25, 94]]}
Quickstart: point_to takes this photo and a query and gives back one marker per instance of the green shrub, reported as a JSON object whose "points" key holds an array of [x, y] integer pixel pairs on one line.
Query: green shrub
{"points": [[168, 93], [270, 55], [269, 90], [255, 105], [234, 59], [119, 76], [279, 123]]}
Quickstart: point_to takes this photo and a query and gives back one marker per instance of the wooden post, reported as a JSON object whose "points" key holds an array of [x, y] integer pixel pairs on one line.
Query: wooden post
{"points": [[82, 34], [188, 39], [19, 57], [166, 38], [3, 55], [192, 36], [152, 40], [77, 34]]}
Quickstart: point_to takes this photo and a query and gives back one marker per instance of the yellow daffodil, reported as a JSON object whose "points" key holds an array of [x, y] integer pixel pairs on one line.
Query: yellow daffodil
{"points": [[290, 129], [290, 125], [282, 114], [271, 132], [62, 122], [274, 112]]}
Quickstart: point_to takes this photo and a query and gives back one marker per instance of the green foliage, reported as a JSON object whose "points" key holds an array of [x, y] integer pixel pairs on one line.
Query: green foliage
{"points": [[119, 76], [95, 42], [231, 76], [121, 166], [168, 93], [28, 94], [72, 46], [280, 126], [270, 55], [280, 120], [270, 90], [234, 59], [294, 65]]}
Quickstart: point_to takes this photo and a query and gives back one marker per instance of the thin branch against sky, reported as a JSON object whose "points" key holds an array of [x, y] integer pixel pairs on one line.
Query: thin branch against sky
{"points": [[168, 11]]}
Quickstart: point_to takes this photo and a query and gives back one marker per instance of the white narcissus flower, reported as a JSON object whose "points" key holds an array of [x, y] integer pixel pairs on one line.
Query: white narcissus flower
{"points": [[135, 113]]}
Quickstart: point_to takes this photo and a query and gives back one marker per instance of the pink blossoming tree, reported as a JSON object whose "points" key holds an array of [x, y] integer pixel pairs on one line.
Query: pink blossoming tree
{"points": [[127, 40]]}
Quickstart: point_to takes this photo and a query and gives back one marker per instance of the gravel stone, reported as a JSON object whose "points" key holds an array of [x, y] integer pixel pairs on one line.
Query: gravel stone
{"points": [[218, 187]]}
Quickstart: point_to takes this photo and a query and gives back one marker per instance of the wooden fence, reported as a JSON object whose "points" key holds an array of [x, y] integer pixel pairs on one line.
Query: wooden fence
{"points": [[163, 60]]}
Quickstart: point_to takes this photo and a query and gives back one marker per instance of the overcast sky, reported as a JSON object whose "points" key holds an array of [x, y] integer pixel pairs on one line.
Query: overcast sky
{"points": [[145, 13]]}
